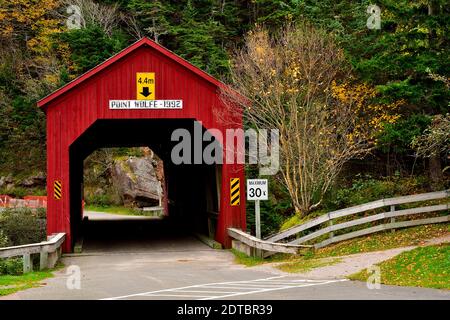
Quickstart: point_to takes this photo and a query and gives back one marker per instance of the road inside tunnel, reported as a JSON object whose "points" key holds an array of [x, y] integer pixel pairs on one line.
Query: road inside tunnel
{"points": [[109, 233]]}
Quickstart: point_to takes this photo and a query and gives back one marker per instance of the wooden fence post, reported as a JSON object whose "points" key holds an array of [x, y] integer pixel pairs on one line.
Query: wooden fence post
{"points": [[392, 219], [331, 232], [43, 260], [27, 263]]}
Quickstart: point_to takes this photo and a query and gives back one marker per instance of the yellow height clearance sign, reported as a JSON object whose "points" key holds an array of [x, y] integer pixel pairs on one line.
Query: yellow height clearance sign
{"points": [[145, 85]]}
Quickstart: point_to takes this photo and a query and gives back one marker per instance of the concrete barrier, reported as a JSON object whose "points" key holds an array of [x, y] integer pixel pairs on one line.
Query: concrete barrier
{"points": [[49, 252]]}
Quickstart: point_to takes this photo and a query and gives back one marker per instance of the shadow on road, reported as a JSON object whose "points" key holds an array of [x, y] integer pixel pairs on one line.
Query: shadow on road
{"points": [[121, 234]]}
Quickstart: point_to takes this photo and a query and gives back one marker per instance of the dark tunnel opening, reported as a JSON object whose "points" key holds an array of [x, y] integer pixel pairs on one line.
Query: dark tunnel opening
{"points": [[192, 190]]}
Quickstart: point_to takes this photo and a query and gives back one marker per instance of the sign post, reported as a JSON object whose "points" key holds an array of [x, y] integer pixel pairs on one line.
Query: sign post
{"points": [[257, 219], [257, 190]]}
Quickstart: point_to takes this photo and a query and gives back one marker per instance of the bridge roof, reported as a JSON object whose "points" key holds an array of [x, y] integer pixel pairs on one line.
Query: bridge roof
{"points": [[138, 44]]}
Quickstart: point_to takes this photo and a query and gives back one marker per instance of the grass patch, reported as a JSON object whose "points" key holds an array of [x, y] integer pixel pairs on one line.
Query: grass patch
{"points": [[291, 263], [305, 265], [384, 240], [120, 210], [20, 192], [296, 219], [242, 258], [422, 267], [10, 284], [290, 222]]}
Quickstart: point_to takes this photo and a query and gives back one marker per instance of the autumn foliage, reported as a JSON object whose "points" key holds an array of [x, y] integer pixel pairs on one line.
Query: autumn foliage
{"points": [[298, 82]]}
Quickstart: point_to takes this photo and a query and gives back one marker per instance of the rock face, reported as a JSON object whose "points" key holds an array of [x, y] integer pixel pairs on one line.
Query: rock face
{"points": [[6, 181], [138, 180], [37, 180]]}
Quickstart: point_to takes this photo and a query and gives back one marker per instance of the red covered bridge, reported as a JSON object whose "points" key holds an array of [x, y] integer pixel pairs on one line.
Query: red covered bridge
{"points": [[94, 111]]}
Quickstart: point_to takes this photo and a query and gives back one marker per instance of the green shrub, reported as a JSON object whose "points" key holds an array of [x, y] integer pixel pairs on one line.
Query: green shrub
{"points": [[16, 192], [11, 266], [41, 213], [4, 241], [397, 137], [291, 221], [365, 189], [101, 200], [23, 226], [297, 219], [20, 192], [270, 218], [91, 46]]}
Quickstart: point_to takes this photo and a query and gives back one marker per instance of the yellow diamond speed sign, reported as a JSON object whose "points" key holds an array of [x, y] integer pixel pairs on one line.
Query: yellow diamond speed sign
{"points": [[145, 85]]}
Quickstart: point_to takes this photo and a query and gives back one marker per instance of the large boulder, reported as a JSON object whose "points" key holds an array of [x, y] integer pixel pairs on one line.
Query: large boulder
{"points": [[138, 180]]}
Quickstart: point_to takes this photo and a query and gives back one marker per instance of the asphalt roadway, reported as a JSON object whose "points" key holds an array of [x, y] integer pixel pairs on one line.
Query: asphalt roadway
{"points": [[138, 258]]}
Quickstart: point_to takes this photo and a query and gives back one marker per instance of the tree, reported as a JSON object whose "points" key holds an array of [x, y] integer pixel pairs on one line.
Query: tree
{"points": [[153, 16], [434, 142], [200, 31], [414, 38], [200, 47], [294, 82], [91, 46], [91, 13], [30, 68], [27, 45]]}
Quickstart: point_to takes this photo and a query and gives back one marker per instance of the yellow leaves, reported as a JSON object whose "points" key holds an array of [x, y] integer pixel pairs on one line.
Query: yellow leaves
{"points": [[7, 31], [32, 43], [357, 94], [292, 90], [32, 15], [29, 11], [352, 137], [35, 21], [2, 14], [64, 52], [360, 97], [260, 51], [52, 79], [378, 121], [259, 46], [292, 72]]}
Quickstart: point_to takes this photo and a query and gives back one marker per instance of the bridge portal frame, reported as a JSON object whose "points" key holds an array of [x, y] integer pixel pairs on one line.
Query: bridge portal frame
{"points": [[74, 108]]}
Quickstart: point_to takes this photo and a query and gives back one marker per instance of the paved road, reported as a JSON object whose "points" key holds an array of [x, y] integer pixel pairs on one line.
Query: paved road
{"points": [[131, 259], [102, 216]]}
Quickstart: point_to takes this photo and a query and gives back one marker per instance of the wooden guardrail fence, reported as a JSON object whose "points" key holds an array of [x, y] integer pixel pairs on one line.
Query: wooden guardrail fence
{"points": [[248, 243], [252, 243], [392, 214]]}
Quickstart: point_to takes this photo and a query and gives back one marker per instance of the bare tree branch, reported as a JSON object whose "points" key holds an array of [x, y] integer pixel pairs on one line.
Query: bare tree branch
{"points": [[289, 79]]}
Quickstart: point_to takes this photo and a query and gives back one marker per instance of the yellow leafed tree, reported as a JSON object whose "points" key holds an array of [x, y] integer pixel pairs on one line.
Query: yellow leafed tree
{"points": [[29, 45], [297, 82]]}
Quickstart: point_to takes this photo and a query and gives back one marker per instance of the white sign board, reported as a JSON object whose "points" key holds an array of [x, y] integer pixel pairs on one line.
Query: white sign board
{"points": [[257, 189], [145, 104]]}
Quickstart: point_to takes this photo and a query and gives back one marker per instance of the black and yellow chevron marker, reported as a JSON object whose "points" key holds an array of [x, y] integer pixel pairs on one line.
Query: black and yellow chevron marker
{"points": [[235, 192], [57, 189]]}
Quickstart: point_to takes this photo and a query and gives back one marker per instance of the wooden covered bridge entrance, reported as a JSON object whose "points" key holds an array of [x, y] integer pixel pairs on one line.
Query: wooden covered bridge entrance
{"points": [[138, 98]]}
